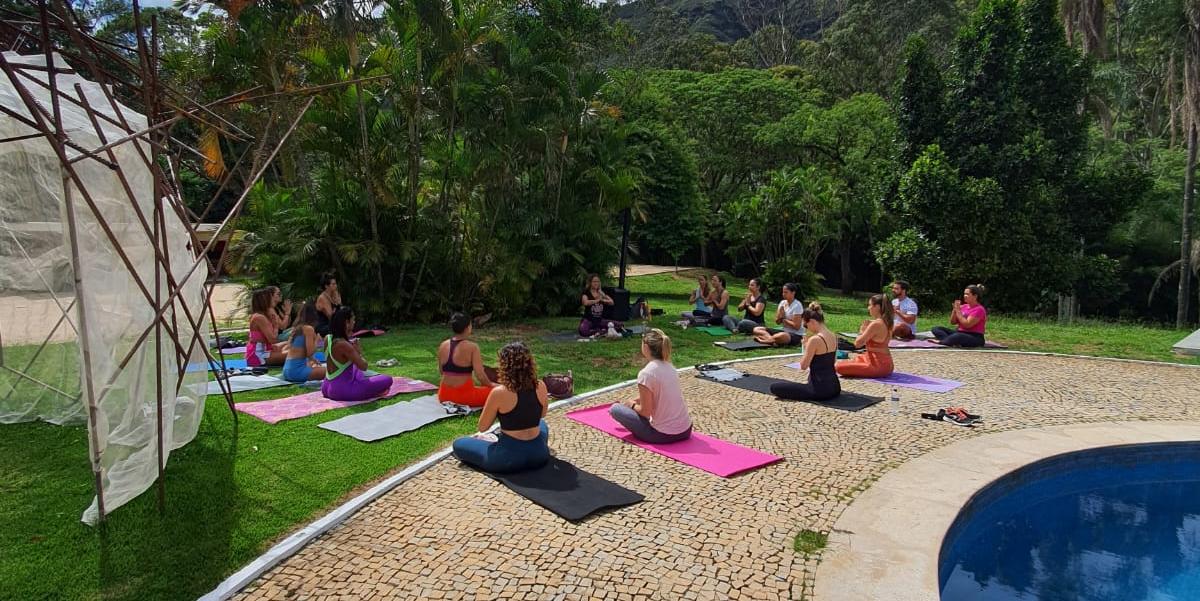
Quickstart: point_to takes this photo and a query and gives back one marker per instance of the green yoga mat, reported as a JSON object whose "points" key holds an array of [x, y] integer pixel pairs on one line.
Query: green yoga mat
{"points": [[714, 330]]}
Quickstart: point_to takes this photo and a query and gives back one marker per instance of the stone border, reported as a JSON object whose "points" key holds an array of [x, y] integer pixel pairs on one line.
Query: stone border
{"points": [[886, 545], [297, 540]]}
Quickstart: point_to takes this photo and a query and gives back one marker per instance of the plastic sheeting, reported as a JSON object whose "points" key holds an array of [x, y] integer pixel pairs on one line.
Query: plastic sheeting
{"points": [[45, 322]]}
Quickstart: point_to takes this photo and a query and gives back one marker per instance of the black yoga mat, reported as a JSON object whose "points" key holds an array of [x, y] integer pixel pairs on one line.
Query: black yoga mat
{"points": [[847, 401], [743, 345], [567, 490]]}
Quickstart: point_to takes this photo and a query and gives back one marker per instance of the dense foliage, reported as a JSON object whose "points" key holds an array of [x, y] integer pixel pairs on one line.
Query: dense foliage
{"points": [[479, 155]]}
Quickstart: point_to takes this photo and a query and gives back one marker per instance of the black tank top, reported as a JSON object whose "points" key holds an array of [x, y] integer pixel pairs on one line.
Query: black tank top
{"points": [[526, 414], [752, 317], [449, 367], [822, 376]]}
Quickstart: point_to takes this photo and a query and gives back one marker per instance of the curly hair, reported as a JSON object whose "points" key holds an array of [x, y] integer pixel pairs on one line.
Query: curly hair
{"points": [[518, 371]]}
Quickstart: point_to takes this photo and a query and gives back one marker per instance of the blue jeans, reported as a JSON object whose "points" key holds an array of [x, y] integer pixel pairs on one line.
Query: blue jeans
{"points": [[640, 427], [507, 454]]}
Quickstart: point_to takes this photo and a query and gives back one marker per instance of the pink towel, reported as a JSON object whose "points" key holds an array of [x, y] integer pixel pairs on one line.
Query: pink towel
{"points": [[710, 454], [304, 405]]}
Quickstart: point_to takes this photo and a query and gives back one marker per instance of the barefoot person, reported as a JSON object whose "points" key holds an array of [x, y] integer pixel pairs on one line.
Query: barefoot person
{"points": [[459, 358], [301, 364], [874, 335], [262, 346], [594, 300], [904, 310], [752, 308], [345, 379], [520, 403], [658, 415], [786, 315], [820, 351], [970, 317]]}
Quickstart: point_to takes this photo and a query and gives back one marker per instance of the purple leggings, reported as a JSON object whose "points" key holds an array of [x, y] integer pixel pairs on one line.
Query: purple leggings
{"points": [[353, 385], [587, 328]]}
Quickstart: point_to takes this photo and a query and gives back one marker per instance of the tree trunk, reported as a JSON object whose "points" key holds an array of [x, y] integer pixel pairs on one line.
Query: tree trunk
{"points": [[844, 246], [1185, 235]]}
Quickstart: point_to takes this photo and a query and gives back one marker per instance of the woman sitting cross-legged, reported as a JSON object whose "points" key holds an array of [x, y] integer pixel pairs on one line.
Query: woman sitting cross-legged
{"points": [[328, 302], [752, 308], [820, 351], [659, 414], [969, 316], [458, 359], [520, 402], [302, 365], [594, 300], [698, 298], [344, 364], [787, 315], [262, 346], [874, 335], [718, 300]]}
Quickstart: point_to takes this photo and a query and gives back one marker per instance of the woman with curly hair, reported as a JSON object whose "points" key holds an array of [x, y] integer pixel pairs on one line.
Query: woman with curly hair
{"points": [[520, 403], [658, 415]]}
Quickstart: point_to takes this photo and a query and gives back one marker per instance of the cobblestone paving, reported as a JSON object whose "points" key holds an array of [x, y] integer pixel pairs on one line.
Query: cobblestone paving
{"points": [[451, 533]]}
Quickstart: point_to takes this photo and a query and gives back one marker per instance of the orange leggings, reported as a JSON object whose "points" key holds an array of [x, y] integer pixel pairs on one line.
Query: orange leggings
{"points": [[866, 365], [466, 393]]}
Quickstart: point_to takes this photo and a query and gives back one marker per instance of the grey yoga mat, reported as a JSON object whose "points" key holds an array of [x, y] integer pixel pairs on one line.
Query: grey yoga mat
{"points": [[568, 491], [741, 345], [389, 421], [847, 401], [244, 383]]}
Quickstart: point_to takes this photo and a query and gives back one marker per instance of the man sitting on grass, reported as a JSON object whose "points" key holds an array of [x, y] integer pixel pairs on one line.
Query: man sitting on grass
{"points": [[905, 310]]}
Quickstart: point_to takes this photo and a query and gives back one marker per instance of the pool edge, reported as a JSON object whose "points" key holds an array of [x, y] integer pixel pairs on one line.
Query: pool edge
{"points": [[886, 544]]}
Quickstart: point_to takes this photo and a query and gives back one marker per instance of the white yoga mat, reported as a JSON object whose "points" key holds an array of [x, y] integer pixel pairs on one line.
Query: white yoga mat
{"points": [[391, 420], [244, 383]]}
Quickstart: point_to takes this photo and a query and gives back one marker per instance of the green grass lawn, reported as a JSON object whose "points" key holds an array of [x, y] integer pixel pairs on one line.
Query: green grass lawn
{"points": [[234, 491]]}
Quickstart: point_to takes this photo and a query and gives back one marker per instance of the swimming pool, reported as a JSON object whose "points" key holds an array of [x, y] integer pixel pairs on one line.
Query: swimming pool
{"points": [[1116, 523]]}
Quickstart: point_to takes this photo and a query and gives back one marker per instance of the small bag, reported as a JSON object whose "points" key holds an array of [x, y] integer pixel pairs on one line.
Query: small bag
{"points": [[560, 386]]}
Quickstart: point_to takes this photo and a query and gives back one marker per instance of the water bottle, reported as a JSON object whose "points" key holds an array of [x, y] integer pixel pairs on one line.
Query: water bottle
{"points": [[895, 398]]}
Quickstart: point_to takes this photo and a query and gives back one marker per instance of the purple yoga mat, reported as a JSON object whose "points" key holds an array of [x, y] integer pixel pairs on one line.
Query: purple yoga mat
{"points": [[917, 382], [710, 454], [915, 343], [304, 405]]}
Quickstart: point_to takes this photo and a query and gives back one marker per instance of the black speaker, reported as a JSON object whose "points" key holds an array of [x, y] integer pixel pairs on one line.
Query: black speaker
{"points": [[619, 310]]}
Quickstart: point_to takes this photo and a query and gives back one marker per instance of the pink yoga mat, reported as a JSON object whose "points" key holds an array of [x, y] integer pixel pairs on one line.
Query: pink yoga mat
{"points": [[305, 405], [710, 454]]}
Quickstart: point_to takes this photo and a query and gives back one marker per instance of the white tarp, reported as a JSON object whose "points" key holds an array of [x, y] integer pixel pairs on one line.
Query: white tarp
{"points": [[37, 288]]}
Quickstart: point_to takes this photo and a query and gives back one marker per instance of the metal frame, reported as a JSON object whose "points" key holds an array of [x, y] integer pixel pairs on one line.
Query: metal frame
{"points": [[159, 151]]}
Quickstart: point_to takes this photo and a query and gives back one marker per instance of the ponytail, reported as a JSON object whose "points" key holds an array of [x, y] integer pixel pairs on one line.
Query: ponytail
{"points": [[659, 344]]}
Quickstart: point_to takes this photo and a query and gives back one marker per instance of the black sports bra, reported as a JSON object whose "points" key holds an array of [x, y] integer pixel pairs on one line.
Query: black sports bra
{"points": [[526, 414], [449, 367]]}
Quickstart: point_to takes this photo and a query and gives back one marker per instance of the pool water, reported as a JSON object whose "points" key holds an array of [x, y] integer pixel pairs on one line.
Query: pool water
{"points": [[1111, 524]]}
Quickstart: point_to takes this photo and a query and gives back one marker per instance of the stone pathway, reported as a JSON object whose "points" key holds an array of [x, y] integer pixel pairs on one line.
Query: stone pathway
{"points": [[451, 533]]}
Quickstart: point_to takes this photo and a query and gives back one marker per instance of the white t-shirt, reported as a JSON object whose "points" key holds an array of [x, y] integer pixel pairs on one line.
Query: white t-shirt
{"points": [[791, 310], [908, 306], [670, 412]]}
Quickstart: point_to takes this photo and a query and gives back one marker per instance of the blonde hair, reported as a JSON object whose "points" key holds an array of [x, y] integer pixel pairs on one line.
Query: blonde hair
{"points": [[658, 343]]}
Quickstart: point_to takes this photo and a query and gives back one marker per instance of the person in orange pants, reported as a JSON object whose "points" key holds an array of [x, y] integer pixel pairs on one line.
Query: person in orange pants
{"points": [[874, 335], [459, 358]]}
